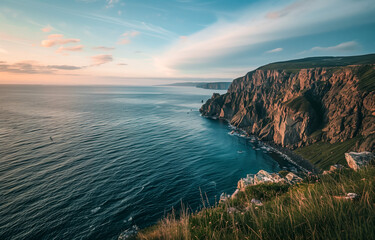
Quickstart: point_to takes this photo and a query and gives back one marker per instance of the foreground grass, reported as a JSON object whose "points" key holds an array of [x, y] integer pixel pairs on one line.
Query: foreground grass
{"points": [[323, 154], [308, 210]]}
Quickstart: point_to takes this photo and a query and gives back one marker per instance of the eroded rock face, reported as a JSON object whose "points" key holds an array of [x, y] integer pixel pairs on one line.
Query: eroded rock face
{"points": [[357, 160], [297, 108]]}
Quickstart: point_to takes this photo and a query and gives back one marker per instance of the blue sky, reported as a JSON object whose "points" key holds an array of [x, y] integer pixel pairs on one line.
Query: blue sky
{"points": [[143, 41]]}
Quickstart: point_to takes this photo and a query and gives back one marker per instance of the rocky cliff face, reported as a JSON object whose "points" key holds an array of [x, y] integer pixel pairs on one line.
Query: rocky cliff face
{"points": [[297, 107]]}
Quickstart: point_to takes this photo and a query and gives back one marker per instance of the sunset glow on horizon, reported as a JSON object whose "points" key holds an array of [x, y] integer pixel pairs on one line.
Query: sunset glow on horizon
{"points": [[120, 42]]}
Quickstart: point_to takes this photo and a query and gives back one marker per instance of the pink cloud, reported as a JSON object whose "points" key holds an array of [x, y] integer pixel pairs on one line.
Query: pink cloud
{"points": [[101, 59], [103, 48], [131, 34], [57, 39], [72, 49], [124, 41], [127, 36], [47, 29]]}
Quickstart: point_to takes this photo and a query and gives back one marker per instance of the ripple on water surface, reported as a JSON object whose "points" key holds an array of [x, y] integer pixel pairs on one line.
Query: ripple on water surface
{"points": [[93, 162]]}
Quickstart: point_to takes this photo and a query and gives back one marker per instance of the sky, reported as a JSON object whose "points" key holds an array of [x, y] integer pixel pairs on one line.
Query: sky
{"points": [[147, 42]]}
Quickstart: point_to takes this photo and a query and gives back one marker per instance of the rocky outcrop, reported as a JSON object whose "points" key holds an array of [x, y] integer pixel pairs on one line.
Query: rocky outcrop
{"points": [[297, 107], [358, 160], [265, 177]]}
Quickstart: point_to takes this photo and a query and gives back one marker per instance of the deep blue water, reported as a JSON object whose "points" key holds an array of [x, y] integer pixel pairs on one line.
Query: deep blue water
{"points": [[91, 162]]}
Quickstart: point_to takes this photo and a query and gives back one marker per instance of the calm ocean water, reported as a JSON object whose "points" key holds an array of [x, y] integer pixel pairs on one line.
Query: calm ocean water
{"points": [[92, 162]]}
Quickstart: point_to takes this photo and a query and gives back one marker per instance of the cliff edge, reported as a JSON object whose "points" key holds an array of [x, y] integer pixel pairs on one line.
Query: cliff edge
{"points": [[300, 102]]}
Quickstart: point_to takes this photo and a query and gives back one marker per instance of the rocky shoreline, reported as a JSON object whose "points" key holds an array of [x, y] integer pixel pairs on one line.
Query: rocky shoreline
{"points": [[283, 156]]}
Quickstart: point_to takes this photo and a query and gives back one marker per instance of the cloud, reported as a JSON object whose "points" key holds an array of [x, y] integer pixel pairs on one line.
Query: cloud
{"points": [[275, 50], [57, 39], [122, 64], [103, 48], [342, 47], [131, 34], [111, 3], [72, 49], [127, 36], [3, 51], [124, 41], [48, 28], [32, 67], [64, 67], [101, 59], [237, 37]]}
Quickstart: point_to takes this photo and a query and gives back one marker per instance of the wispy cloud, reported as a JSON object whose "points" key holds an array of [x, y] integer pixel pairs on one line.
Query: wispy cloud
{"points": [[48, 28], [57, 39], [211, 47], [32, 67], [111, 3], [103, 48], [131, 34], [77, 48], [101, 59], [124, 41], [342, 47], [127, 36], [275, 50]]}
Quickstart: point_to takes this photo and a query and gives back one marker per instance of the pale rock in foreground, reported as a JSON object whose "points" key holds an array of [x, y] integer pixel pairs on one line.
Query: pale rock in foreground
{"points": [[357, 160], [265, 177]]}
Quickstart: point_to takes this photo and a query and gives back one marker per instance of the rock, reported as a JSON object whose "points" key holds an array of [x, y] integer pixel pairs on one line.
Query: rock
{"points": [[301, 107], [357, 160], [293, 178], [234, 195], [256, 202], [352, 196], [348, 196], [336, 167], [333, 168], [265, 177], [224, 197]]}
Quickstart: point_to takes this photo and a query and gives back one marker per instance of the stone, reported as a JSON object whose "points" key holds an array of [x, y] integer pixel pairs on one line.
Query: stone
{"points": [[336, 167], [333, 168], [293, 178], [348, 196], [256, 202], [358, 160]]}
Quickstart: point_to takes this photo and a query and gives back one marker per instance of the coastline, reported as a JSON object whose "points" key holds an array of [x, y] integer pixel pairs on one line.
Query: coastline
{"points": [[286, 158]]}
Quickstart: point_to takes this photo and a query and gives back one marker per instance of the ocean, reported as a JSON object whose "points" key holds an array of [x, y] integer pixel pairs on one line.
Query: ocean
{"points": [[93, 162]]}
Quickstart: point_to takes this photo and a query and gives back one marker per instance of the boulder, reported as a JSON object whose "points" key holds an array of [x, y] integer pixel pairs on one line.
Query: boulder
{"points": [[358, 160], [293, 178]]}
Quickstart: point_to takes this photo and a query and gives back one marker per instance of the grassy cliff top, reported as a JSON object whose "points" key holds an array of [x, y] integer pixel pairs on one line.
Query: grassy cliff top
{"points": [[313, 62], [314, 209]]}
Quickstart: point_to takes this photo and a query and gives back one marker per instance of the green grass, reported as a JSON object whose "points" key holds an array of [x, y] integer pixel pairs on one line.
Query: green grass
{"points": [[303, 211], [366, 75], [323, 154], [314, 62]]}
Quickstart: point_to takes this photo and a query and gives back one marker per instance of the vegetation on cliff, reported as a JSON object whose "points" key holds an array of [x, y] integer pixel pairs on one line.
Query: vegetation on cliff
{"points": [[314, 209]]}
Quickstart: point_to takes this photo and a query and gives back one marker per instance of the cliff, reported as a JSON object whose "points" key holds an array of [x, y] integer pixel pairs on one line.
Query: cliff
{"points": [[300, 102]]}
